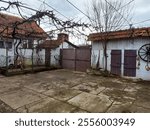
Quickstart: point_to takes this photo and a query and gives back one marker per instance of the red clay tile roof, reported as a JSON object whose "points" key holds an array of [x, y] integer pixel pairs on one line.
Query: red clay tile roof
{"points": [[50, 44], [122, 34], [25, 30]]}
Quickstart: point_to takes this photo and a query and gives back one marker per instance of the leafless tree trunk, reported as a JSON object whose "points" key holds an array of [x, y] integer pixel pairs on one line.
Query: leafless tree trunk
{"points": [[106, 16]]}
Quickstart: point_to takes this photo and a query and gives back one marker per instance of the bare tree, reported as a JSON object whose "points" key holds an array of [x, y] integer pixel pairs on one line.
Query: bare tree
{"points": [[106, 16]]}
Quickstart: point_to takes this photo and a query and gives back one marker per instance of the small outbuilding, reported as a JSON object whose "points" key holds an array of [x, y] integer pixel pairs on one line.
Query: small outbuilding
{"points": [[53, 48], [127, 52]]}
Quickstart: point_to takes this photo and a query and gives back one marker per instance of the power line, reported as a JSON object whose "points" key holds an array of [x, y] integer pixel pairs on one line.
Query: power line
{"points": [[104, 15], [88, 16], [52, 8], [142, 21], [118, 12], [17, 3], [80, 11], [77, 8], [60, 14], [127, 3]]}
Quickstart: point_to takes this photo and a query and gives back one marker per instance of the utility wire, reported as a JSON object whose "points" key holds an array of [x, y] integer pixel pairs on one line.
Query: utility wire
{"points": [[53, 8], [23, 6], [127, 4], [60, 14], [109, 4], [78, 8], [118, 12], [142, 21]]}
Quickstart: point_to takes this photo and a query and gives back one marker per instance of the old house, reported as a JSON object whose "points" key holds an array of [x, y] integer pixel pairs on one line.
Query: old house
{"points": [[18, 38], [53, 48], [128, 52]]}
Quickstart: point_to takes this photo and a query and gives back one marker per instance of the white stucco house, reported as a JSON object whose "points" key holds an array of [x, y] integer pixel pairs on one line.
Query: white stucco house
{"points": [[128, 52], [18, 41], [53, 48]]}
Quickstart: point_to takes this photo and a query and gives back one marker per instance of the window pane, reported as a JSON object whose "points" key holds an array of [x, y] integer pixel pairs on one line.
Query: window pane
{"points": [[2, 44], [9, 45], [30, 44]]}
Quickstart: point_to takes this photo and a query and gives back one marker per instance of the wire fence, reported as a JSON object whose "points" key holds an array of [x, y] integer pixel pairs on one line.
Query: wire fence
{"points": [[11, 62], [20, 63]]}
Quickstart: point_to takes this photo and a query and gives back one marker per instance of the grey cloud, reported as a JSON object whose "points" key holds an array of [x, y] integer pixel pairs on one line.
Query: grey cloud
{"points": [[141, 8]]}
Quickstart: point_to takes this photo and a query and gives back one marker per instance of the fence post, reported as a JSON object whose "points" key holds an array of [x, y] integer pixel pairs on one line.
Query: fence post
{"points": [[61, 58], [6, 60], [75, 59], [32, 60]]}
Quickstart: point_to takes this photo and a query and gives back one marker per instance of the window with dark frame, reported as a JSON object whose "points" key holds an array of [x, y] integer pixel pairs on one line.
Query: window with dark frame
{"points": [[25, 45], [2, 44], [30, 44], [9, 45]]}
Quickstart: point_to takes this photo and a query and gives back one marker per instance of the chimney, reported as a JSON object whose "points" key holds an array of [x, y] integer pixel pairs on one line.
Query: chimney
{"points": [[63, 37]]}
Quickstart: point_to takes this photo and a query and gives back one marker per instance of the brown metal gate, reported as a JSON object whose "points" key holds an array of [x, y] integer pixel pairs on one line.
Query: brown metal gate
{"points": [[130, 63], [116, 62], [47, 57], [76, 59], [68, 58], [83, 59]]}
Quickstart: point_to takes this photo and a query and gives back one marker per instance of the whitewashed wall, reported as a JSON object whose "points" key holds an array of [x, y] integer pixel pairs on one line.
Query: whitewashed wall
{"points": [[120, 45], [55, 53], [3, 56], [27, 53]]}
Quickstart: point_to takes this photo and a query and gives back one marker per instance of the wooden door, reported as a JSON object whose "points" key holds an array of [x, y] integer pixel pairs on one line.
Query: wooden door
{"points": [[130, 63], [116, 62]]}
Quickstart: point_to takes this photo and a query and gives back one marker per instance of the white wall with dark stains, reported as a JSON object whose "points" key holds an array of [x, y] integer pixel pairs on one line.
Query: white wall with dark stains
{"points": [[27, 53], [55, 53], [3, 54], [122, 45]]}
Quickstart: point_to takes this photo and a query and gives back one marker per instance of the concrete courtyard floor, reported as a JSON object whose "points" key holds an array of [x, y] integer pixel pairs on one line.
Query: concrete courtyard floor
{"points": [[66, 91]]}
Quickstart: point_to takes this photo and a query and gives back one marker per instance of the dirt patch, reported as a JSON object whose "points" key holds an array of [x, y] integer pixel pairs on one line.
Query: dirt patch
{"points": [[110, 84], [119, 95], [145, 83]]}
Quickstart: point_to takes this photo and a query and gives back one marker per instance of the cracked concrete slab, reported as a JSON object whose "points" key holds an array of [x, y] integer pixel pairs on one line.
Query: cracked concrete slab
{"points": [[118, 107], [130, 89], [62, 94], [39, 87], [142, 103], [91, 103], [138, 109], [74, 82], [98, 90], [92, 84], [119, 95], [90, 87], [4, 108], [69, 91], [7, 88], [83, 87], [18, 98], [48, 105], [6, 85]]}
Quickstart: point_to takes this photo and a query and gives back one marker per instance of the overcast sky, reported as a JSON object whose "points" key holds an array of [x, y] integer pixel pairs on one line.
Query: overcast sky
{"points": [[141, 9]]}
